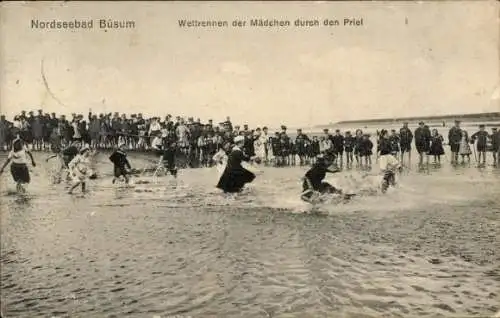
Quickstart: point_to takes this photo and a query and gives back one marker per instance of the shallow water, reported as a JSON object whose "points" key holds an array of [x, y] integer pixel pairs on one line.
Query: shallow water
{"points": [[428, 248]]}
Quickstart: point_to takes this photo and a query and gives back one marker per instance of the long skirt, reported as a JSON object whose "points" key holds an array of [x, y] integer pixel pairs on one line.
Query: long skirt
{"points": [[436, 149], [323, 188], [234, 179], [20, 172]]}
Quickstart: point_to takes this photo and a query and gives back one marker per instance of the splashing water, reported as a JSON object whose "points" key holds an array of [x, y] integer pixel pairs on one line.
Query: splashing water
{"points": [[166, 246]]}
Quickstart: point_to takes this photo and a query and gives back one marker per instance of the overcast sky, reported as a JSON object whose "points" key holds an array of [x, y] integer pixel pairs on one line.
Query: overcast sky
{"points": [[408, 59]]}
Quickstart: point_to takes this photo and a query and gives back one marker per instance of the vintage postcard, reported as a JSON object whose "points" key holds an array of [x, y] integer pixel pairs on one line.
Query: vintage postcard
{"points": [[249, 159]]}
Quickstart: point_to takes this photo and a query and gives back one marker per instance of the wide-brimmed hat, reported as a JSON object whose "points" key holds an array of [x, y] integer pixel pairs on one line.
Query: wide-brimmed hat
{"points": [[84, 149]]}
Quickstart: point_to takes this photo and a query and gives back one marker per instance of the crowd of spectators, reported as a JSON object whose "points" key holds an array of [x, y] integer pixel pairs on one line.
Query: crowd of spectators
{"points": [[198, 142], [52, 132]]}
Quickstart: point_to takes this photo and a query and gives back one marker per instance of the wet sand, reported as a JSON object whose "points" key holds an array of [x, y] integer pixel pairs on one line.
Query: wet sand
{"points": [[428, 248]]}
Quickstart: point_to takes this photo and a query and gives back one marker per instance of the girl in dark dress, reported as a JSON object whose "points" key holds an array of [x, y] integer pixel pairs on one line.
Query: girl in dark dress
{"points": [[235, 177], [167, 159], [313, 180], [437, 149], [313, 184], [120, 164]]}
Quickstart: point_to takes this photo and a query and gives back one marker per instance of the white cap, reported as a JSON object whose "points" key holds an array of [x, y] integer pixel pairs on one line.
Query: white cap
{"points": [[238, 139]]}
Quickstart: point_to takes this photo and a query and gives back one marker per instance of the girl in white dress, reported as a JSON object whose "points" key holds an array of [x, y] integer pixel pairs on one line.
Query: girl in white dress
{"points": [[464, 148], [260, 144], [79, 168]]}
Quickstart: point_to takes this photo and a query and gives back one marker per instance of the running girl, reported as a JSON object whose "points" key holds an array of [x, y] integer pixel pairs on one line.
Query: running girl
{"points": [[167, 159], [19, 166], [235, 177], [79, 169], [313, 180], [388, 163], [67, 155], [121, 163]]}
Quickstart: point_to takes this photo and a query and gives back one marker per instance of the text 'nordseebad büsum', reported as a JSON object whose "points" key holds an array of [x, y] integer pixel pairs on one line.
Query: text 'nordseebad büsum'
{"points": [[82, 24]]}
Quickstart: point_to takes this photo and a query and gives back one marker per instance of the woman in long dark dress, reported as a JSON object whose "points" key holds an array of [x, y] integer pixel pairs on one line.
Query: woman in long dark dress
{"points": [[235, 177]]}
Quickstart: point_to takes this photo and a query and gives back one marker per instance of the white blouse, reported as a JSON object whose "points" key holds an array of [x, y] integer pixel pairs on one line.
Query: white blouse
{"points": [[20, 157]]}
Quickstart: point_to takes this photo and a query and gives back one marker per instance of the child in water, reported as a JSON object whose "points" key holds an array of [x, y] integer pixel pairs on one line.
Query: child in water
{"points": [[437, 149], [464, 148], [313, 180], [167, 159], [121, 163], [79, 169], [19, 167], [482, 140], [388, 163], [65, 156]]}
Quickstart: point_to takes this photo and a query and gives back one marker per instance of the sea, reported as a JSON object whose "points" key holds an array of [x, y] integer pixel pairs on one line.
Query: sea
{"points": [[166, 247]]}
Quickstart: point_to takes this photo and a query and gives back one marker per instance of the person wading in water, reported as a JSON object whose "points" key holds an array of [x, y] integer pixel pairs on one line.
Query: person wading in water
{"points": [[454, 138], [388, 163], [235, 177], [67, 154], [313, 184], [167, 159], [482, 140], [79, 168], [120, 163], [423, 144], [19, 166], [405, 140]]}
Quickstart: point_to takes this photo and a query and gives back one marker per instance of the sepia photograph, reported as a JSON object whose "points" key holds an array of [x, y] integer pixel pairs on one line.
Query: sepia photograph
{"points": [[165, 159]]}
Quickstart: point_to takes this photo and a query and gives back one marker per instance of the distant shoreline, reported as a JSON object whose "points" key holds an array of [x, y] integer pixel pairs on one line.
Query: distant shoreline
{"points": [[489, 119]]}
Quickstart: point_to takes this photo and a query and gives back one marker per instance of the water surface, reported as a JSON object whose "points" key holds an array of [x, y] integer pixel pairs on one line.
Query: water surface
{"points": [[426, 249]]}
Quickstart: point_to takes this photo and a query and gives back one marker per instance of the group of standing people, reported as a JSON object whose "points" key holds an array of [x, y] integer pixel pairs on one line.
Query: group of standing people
{"points": [[430, 144]]}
